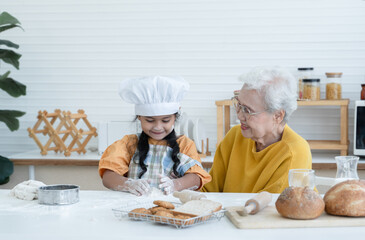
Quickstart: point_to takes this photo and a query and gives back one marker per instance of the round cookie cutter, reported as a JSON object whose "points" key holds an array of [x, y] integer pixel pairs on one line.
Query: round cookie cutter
{"points": [[58, 194]]}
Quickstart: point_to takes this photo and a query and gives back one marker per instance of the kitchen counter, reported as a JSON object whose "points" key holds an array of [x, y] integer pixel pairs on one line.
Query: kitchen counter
{"points": [[34, 158], [92, 218], [320, 160]]}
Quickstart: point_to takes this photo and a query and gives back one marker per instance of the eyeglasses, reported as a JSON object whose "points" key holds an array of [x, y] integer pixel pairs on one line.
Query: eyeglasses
{"points": [[243, 108]]}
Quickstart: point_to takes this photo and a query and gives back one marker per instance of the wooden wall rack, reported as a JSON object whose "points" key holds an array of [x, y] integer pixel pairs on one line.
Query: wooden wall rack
{"points": [[224, 120]]}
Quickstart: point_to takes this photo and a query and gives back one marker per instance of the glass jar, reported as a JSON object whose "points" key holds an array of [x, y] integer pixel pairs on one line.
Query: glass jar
{"points": [[303, 73], [347, 167], [333, 86], [311, 89], [362, 92]]}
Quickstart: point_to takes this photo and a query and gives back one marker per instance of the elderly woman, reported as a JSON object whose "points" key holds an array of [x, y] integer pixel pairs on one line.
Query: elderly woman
{"points": [[256, 155]]}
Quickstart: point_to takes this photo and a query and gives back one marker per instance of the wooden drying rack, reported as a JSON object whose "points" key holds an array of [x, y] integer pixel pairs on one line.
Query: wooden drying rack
{"points": [[203, 154], [66, 126]]}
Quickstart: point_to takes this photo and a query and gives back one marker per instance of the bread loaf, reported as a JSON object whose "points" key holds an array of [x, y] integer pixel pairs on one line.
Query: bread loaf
{"points": [[346, 199], [300, 203]]}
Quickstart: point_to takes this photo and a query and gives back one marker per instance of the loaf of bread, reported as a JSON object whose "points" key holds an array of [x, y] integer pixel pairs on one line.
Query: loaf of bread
{"points": [[300, 203], [346, 199]]}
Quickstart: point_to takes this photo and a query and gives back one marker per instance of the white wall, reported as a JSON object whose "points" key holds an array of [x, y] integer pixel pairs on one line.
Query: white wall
{"points": [[76, 52]]}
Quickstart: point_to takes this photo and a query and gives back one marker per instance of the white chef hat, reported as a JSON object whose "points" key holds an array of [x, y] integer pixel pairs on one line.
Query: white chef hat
{"points": [[154, 95]]}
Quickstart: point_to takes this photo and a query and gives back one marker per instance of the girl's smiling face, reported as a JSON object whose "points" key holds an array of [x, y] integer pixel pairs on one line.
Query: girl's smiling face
{"points": [[157, 127]]}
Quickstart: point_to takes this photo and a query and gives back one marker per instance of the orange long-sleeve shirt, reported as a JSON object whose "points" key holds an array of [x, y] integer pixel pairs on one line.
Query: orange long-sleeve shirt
{"points": [[117, 156]]}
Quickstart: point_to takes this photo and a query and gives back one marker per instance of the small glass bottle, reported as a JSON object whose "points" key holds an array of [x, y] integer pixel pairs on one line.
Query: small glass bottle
{"points": [[362, 91], [303, 73], [333, 86], [311, 89]]}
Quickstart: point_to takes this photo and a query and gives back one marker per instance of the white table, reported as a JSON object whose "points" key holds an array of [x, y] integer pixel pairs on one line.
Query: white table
{"points": [[92, 218]]}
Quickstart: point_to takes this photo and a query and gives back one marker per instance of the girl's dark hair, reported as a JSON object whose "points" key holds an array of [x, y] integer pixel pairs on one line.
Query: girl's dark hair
{"points": [[143, 148]]}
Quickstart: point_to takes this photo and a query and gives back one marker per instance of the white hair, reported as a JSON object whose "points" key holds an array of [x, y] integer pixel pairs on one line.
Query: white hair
{"points": [[277, 86]]}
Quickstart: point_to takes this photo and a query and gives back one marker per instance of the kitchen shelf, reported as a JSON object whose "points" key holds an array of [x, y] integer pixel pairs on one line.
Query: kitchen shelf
{"points": [[224, 120]]}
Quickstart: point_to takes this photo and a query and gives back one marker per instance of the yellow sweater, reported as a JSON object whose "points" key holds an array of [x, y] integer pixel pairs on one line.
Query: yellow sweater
{"points": [[237, 167]]}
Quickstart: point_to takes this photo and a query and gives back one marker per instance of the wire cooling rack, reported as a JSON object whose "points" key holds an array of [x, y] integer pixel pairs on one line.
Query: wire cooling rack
{"points": [[125, 213]]}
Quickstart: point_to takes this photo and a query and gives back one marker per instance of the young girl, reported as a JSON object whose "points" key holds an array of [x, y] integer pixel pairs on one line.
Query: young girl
{"points": [[156, 157]]}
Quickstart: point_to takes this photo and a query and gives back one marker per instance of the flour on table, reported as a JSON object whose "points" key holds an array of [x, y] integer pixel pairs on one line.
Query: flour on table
{"points": [[155, 192]]}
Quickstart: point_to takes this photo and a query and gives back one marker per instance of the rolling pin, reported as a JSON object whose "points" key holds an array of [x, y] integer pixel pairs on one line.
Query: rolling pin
{"points": [[255, 204], [187, 195]]}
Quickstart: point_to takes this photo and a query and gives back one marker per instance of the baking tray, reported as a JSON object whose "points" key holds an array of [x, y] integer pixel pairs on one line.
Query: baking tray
{"points": [[124, 213], [60, 194]]}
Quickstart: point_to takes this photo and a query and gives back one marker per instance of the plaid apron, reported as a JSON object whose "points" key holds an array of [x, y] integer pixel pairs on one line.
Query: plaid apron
{"points": [[159, 161]]}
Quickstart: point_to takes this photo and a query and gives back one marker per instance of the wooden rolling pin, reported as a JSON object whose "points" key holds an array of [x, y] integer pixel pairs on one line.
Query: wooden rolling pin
{"points": [[187, 195], [255, 204]]}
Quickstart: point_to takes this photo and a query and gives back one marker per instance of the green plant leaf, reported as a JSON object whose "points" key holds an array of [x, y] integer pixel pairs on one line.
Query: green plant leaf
{"points": [[4, 180], [5, 75], [9, 44], [7, 27], [6, 169], [6, 18], [10, 57], [9, 117], [13, 87]]}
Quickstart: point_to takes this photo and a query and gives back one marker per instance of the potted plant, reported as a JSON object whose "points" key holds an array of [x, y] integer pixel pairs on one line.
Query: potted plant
{"points": [[9, 85]]}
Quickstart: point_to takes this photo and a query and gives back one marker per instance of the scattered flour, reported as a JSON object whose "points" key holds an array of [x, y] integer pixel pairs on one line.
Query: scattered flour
{"points": [[155, 192]]}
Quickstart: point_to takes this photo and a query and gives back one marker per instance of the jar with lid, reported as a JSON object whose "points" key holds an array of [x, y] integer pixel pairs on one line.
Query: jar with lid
{"points": [[333, 86], [311, 89], [362, 91], [303, 73]]}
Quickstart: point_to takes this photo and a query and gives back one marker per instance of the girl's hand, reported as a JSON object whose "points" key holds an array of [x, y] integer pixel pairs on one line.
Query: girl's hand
{"points": [[137, 187], [167, 184]]}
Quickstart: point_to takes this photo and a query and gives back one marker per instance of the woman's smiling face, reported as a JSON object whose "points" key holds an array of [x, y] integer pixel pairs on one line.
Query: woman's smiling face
{"points": [[157, 127], [254, 126]]}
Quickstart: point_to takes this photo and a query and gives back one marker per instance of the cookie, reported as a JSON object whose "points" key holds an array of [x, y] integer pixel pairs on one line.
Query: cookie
{"points": [[157, 208], [182, 220], [164, 214], [182, 216], [164, 204], [161, 215], [139, 212]]}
